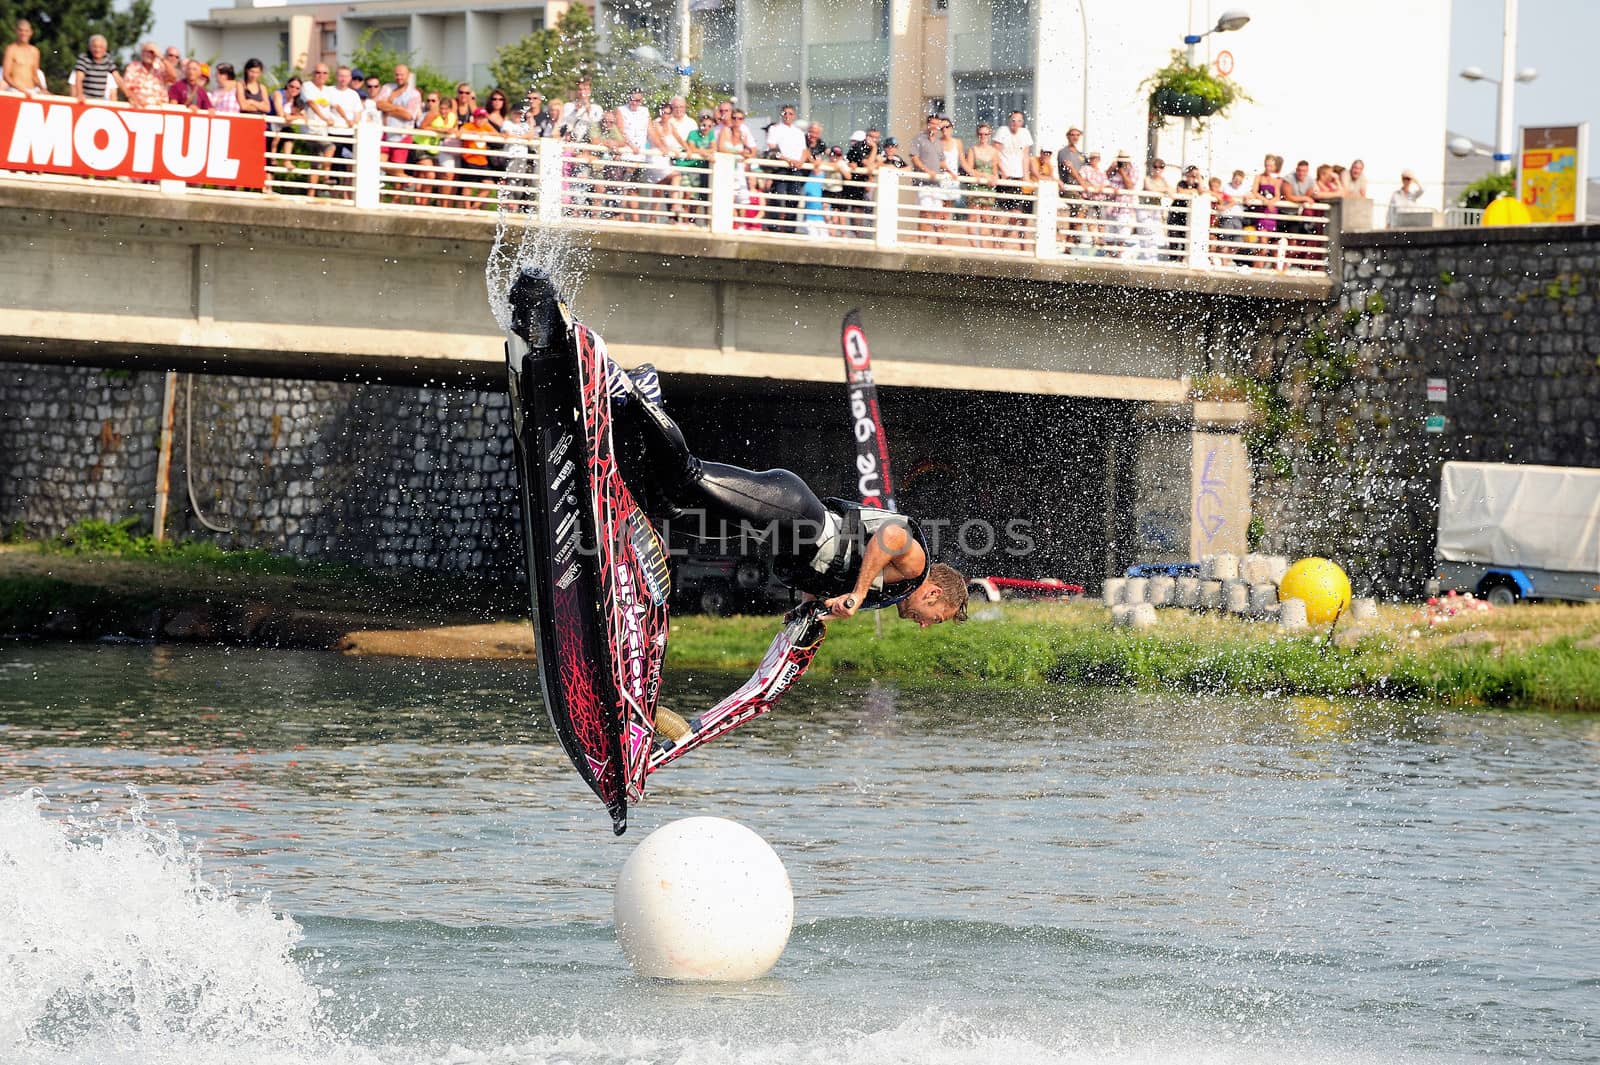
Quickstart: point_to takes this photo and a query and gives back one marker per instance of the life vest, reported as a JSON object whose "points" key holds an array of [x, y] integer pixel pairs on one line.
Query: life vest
{"points": [[836, 564]]}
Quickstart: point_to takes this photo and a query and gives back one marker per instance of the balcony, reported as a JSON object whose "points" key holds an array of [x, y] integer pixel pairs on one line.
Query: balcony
{"points": [[976, 52]]}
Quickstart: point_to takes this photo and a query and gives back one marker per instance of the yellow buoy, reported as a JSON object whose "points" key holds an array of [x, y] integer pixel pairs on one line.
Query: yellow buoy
{"points": [[1321, 585], [1506, 211]]}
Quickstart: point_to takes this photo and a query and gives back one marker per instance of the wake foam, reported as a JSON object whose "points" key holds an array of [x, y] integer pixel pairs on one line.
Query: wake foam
{"points": [[114, 947]]}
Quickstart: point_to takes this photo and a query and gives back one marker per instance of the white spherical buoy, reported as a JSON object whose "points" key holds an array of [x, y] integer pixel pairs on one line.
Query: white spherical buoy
{"points": [[703, 898]]}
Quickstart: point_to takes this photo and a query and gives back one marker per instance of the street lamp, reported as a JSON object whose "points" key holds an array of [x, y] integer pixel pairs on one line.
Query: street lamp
{"points": [[1507, 83], [1462, 147], [1232, 19], [1477, 74]]}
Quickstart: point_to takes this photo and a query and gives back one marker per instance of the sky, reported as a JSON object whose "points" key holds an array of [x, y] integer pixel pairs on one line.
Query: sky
{"points": [[1549, 36]]}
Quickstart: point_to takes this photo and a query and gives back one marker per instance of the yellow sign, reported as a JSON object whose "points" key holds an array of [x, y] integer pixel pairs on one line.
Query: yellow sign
{"points": [[1551, 172]]}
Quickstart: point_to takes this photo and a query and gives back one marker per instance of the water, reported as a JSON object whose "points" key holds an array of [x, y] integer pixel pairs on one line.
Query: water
{"points": [[360, 861]]}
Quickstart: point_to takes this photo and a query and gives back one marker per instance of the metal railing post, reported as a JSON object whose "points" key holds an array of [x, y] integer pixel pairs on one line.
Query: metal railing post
{"points": [[1198, 237], [886, 204], [1047, 212], [723, 177], [550, 183], [368, 176]]}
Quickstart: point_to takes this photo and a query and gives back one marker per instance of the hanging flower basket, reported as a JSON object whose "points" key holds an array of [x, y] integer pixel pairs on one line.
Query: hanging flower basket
{"points": [[1190, 90], [1175, 104]]}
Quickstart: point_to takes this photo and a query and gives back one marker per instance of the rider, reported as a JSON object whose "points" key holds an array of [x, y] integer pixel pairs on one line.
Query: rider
{"points": [[848, 555], [845, 554]]}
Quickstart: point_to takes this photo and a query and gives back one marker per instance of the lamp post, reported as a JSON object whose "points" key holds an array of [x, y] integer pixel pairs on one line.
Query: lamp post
{"points": [[1233, 19], [1507, 82]]}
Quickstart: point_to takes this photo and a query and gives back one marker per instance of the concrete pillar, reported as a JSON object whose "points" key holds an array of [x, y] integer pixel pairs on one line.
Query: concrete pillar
{"points": [[907, 34], [1219, 493], [301, 30], [480, 37], [1056, 57], [805, 61]]}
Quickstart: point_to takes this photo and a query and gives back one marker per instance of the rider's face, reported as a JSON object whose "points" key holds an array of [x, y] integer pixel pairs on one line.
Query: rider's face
{"points": [[925, 606]]}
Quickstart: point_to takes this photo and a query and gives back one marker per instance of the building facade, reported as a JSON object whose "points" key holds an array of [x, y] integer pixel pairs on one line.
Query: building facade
{"points": [[1366, 80], [458, 40]]}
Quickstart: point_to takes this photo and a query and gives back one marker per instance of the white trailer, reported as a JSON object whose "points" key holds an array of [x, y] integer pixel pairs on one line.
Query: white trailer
{"points": [[1511, 532]]}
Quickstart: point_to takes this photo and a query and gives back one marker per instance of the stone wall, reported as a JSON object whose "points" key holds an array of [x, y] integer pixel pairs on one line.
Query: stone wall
{"points": [[404, 476], [378, 475], [1343, 460]]}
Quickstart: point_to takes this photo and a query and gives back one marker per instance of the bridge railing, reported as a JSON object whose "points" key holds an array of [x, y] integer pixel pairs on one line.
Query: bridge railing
{"points": [[561, 183]]}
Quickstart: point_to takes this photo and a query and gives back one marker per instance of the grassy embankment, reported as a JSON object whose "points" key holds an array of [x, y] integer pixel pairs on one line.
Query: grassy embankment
{"points": [[1529, 655]]}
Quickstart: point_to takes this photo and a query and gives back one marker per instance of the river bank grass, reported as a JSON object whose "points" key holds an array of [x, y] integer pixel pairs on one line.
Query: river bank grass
{"points": [[1531, 655]]}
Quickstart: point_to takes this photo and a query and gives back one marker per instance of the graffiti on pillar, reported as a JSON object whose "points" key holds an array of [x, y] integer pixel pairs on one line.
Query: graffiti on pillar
{"points": [[1208, 505]]}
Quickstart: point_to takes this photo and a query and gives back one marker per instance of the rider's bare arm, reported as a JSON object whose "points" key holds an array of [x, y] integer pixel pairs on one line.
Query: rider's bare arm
{"points": [[894, 554]]}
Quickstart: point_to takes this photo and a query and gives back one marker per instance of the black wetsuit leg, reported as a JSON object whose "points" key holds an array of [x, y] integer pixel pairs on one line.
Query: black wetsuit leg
{"points": [[711, 499]]}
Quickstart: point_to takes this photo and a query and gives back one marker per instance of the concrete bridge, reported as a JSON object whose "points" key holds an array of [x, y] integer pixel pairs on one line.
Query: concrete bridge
{"points": [[108, 274]]}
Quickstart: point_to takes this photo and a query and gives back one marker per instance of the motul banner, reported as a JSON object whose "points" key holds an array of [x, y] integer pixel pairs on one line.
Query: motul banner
{"points": [[872, 447], [56, 136]]}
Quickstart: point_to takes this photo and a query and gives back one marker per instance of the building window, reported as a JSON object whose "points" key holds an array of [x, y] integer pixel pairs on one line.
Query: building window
{"points": [[395, 38], [990, 99]]}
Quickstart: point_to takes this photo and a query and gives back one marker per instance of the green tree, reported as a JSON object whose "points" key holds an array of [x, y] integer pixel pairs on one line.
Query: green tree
{"points": [[553, 59], [372, 56], [62, 28], [1486, 190]]}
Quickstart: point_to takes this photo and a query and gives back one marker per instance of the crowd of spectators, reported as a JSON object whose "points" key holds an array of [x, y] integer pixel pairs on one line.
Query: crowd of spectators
{"points": [[638, 164]]}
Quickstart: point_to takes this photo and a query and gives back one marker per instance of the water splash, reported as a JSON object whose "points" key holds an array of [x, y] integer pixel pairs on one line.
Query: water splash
{"points": [[116, 948], [521, 240]]}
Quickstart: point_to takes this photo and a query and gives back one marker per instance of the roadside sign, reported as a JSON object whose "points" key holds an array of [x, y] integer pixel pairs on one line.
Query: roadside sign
{"points": [[1435, 423], [1551, 172], [1438, 390], [1224, 62]]}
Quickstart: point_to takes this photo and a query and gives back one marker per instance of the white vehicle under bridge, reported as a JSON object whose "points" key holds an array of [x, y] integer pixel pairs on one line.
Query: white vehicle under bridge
{"points": [[1510, 532]]}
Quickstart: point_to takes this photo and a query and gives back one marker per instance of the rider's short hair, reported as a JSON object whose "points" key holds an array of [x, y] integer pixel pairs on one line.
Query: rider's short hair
{"points": [[952, 585]]}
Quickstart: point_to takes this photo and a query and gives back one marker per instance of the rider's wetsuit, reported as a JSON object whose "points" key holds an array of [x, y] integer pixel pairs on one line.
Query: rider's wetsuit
{"points": [[817, 545]]}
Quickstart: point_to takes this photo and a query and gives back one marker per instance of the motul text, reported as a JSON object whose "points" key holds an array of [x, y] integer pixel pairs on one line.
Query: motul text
{"points": [[93, 140]]}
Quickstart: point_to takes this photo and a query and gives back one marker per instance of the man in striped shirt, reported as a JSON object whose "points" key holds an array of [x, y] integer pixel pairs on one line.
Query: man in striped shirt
{"points": [[95, 75]]}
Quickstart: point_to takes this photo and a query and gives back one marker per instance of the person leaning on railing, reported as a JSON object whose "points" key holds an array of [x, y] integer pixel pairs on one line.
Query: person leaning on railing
{"points": [[437, 122], [253, 96], [475, 173], [862, 159], [191, 91], [145, 80], [694, 165], [288, 116], [95, 75]]}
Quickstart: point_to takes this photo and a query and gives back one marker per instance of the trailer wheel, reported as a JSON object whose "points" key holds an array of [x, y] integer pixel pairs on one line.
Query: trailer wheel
{"points": [[716, 599], [1499, 593]]}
